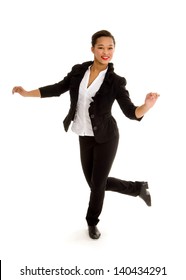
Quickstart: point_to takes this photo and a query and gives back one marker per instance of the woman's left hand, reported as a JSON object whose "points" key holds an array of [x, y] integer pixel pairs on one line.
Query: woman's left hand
{"points": [[151, 99]]}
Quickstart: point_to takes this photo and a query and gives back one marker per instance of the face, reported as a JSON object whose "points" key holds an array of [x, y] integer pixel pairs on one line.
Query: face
{"points": [[103, 50]]}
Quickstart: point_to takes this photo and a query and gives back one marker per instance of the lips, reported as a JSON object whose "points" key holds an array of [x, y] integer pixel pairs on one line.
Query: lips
{"points": [[105, 57]]}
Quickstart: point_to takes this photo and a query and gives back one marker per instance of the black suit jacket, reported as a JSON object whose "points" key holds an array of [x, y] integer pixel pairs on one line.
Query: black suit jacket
{"points": [[113, 88]]}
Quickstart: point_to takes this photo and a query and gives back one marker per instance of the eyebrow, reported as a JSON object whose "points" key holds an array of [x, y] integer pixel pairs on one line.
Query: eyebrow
{"points": [[104, 45]]}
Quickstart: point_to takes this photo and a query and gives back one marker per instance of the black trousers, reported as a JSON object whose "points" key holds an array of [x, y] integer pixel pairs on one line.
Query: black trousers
{"points": [[97, 159]]}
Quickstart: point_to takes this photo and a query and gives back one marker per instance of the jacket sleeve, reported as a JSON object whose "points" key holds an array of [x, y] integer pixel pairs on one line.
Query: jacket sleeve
{"points": [[58, 88], [124, 101]]}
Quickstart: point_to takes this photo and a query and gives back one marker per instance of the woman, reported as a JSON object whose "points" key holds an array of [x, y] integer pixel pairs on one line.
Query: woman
{"points": [[93, 87]]}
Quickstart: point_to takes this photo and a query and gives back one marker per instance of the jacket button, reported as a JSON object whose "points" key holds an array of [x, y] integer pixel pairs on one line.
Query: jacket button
{"points": [[92, 116], [95, 128]]}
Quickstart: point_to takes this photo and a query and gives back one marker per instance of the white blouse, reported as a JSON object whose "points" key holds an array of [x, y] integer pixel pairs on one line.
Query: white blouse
{"points": [[82, 123]]}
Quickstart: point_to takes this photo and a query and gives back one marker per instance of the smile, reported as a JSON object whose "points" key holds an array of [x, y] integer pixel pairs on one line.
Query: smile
{"points": [[105, 57]]}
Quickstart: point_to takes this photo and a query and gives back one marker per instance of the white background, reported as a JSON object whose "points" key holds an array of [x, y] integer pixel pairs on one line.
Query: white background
{"points": [[43, 194]]}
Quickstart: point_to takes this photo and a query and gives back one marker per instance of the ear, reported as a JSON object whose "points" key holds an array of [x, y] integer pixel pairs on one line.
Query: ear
{"points": [[92, 49]]}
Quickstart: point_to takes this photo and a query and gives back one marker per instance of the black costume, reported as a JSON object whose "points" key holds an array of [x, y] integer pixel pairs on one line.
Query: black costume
{"points": [[98, 151]]}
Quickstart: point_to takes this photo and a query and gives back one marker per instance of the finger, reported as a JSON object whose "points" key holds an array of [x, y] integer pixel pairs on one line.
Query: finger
{"points": [[155, 95], [14, 90]]}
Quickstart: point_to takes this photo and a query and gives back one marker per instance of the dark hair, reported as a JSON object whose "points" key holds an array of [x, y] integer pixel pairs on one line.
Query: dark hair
{"points": [[101, 33]]}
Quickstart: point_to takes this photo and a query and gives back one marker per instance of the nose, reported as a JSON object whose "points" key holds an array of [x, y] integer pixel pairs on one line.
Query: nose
{"points": [[105, 52]]}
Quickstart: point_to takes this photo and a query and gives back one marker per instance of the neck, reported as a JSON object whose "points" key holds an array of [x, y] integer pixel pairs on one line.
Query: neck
{"points": [[98, 67]]}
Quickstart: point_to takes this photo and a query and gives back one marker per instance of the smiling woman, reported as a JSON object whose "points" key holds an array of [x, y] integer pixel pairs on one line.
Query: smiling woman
{"points": [[93, 88]]}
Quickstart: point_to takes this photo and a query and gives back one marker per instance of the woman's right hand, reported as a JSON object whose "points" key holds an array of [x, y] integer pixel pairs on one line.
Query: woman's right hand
{"points": [[23, 92], [20, 90]]}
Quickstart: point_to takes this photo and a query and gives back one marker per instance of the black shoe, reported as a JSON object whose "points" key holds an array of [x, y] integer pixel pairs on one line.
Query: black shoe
{"points": [[93, 232], [144, 193]]}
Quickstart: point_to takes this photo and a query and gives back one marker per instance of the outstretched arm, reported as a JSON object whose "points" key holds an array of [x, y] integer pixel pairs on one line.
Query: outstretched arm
{"points": [[23, 92], [150, 100]]}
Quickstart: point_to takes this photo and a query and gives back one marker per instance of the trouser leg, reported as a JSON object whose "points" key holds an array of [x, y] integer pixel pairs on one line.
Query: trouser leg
{"points": [[97, 159], [122, 186]]}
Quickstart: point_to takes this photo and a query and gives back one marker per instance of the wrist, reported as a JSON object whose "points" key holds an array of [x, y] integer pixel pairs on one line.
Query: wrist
{"points": [[141, 110]]}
